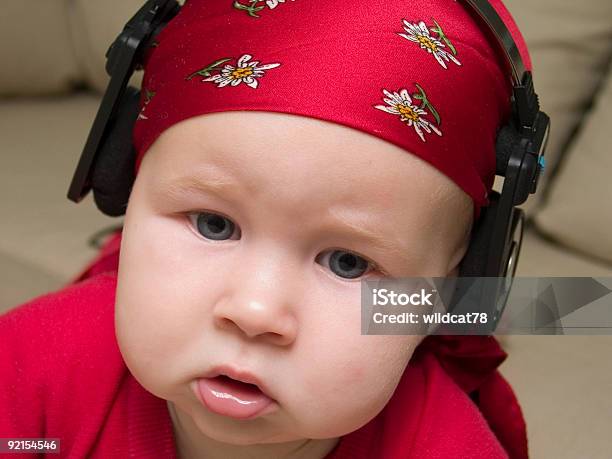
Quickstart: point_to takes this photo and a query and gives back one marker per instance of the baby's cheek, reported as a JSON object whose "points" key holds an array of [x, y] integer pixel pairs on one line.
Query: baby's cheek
{"points": [[359, 399], [131, 334], [142, 327], [375, 374], [347, 390], [355, 371]]}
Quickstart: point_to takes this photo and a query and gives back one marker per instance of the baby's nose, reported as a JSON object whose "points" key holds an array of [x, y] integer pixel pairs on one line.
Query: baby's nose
{"points": [[261, 304]]}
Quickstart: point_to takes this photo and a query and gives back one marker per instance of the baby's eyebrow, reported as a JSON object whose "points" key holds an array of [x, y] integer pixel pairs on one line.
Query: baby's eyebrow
{"points": [[393, 247], [176, 189]]}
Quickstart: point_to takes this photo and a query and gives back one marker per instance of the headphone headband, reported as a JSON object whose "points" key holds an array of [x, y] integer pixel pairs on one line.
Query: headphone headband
{"points": [[503, 36]]}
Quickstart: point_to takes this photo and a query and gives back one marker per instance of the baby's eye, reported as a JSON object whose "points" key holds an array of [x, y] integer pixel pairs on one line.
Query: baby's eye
{"points": [[345, 264], [214, 226]]}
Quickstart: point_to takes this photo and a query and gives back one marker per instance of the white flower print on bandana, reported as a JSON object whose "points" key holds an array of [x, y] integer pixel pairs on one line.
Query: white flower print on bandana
{"points": [[254, 6], [246, 72], [148, 96], [274, 3], [402, 104], [419, 33]]}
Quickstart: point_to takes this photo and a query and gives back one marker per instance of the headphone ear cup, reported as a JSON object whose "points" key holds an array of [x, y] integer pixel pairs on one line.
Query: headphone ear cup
{"points": [[473, 265], [474, 261], [113, 173]]}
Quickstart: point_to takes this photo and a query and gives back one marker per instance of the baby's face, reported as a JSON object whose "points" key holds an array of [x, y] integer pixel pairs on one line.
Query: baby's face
{"points": [[245, 240]]}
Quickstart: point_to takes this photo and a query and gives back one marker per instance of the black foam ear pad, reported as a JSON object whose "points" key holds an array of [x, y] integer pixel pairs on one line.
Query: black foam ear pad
{"points": [[508, 142], [474, 261], [113, 173]]}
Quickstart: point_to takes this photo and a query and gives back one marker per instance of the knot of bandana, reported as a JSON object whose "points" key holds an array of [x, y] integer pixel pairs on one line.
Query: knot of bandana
{"points": [[421, 74]]}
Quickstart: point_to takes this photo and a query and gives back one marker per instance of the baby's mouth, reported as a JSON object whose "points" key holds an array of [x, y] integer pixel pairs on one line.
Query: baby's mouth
{"points": [[229, 397]]}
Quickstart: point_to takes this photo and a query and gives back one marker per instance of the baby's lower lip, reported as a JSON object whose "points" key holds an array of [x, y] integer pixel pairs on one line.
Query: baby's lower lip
{"points": [[228, 397]]}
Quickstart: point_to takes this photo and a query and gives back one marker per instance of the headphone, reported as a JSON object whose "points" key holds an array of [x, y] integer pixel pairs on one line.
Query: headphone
{"points": [[107, 162]]}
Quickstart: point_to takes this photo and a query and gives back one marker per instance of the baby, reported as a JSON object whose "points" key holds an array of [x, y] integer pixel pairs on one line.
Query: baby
{"points": [[286, 151]]}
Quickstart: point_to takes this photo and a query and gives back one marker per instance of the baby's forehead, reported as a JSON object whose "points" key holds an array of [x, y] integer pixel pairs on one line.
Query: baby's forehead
{"points": [[259, 152]]}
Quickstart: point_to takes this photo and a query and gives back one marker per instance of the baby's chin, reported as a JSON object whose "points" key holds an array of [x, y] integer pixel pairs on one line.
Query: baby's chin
{"points": [[275, 427]]}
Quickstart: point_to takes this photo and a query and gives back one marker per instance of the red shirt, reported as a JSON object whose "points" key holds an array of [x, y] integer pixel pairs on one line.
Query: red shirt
{"points": [[62, 376]]}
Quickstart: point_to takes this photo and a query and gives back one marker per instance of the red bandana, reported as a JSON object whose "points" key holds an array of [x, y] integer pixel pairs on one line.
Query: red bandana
{"points": [[420, 74]]}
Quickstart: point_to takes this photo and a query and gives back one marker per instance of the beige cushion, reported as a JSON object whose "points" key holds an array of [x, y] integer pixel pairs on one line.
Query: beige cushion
{"points": [[46, 47], [95, 25], [570, 44], [42, 233], [563, 385], [542, 258], [578, 211], [36, 50], [21, 281]]}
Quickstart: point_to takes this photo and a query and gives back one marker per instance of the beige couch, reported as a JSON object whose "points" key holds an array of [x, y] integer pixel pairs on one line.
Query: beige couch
{"points": [[49, 49]]}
